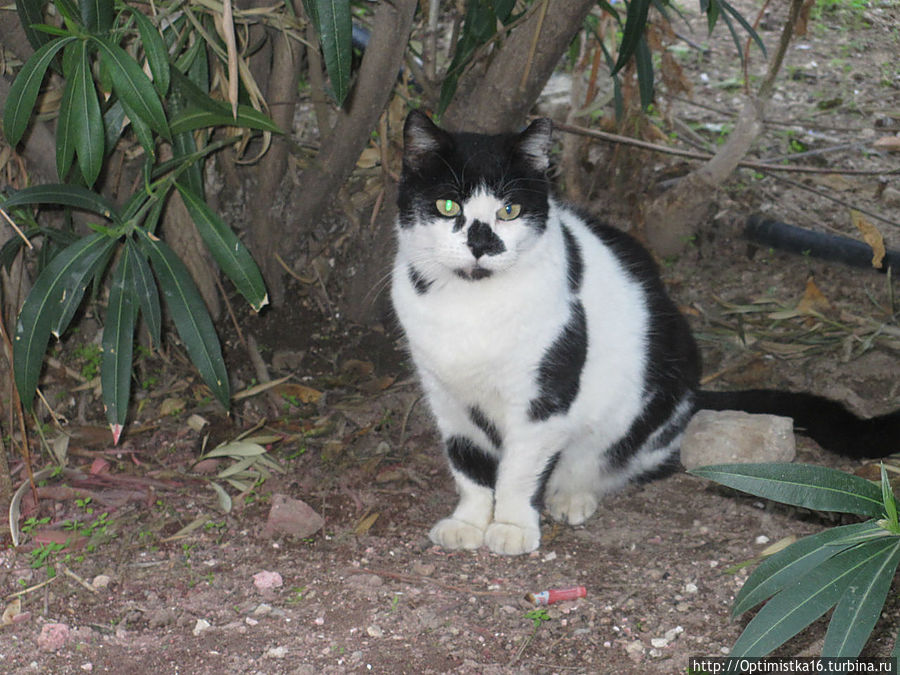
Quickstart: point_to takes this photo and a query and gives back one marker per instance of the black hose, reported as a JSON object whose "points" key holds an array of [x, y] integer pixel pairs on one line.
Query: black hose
{"points": [[821, 245]]}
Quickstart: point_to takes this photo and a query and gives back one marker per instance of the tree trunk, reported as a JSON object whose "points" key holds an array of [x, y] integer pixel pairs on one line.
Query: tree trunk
{"points": [[671, 218], [267, 214], [391, 25], [497, 98]]}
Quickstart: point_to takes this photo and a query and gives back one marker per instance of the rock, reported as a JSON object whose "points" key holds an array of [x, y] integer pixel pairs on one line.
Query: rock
{"points": [[101, 581], [891, 196], [158, 618], [291, 516], [201, 626], [730, 436], [53, 637], [265, 580]]}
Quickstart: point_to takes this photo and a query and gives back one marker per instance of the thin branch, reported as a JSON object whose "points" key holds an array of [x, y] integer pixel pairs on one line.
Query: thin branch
{"points": [[703, 156]]}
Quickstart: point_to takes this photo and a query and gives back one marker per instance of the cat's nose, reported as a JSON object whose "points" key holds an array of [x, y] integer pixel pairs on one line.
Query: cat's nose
{"points": [[482, 240]]}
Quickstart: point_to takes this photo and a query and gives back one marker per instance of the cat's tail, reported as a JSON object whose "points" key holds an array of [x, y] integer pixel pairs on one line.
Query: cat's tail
{"points": [[827, 422]]}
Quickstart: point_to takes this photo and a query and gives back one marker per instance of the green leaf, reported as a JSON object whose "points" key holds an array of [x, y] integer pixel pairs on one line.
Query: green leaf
{"points": [[792, 563], [96, 15], [66, 275], [31, 12], [745, 25], [73, 293], [810, 487], [24, 90], [193, 118], [144, 288], [797, 606], [141, 130], [860, 606], [74, 196], [155, 51], [635, 23], [113, 123], [133, 86], [84, 121], [228, 251], [189, 314], [335, 28], [890, 503], [118, 340], [643, 61]]}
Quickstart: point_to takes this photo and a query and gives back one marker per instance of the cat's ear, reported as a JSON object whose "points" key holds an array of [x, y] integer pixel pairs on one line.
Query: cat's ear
{"points": [[421, 137], [534, 143]]}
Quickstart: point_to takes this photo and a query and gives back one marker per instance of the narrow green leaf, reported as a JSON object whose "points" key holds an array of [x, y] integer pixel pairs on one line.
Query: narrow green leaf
{"points": [[792, 563], [144, 287], [31, 12], [745, 25], [133, 86], [24, 90], [812, 487], [155, 51], [228, 251], [193, 118], [113, 123], [643, 61], [84, 118], [223, 497], [860, 606], [190, 315], [797, 606], [63, 276], [74, 196], [635, 23], [887, 497], [335, 29], [141, 130], [65, 124], [73, 292], [237, 449], [734, 35], [118, 340], [96, 15]]}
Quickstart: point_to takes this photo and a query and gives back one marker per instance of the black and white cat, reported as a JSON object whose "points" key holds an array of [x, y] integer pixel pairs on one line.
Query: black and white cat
{"points": [[555, 364]]}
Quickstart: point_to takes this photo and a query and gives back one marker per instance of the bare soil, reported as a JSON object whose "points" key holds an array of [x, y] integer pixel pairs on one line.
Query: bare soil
{"points": [[368, 592]]}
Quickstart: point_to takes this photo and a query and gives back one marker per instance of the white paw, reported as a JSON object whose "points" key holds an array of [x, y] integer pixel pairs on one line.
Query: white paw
{"points": [[452, 534], [510, 539], [572, 508]]}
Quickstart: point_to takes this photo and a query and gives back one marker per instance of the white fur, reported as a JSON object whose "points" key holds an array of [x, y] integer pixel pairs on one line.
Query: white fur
{"points": [[481, 343]]}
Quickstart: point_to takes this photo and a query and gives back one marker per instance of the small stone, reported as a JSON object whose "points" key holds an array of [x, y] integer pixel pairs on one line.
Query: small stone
{"points": [[100, 581], [762, 539], [53, 637], [262, 610], [265, 580], [293, 517], [160, 617], [275, 653], [201, 626], [659, 643], [891, 196], [673, 633], [690, 587], [374, 631], [731, 436]]}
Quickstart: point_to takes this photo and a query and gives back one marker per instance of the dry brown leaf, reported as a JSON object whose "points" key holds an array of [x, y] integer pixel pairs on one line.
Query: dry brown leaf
{"points": [[300, 392], [12, 609], [369, 158], [813, 300], [365, 524], [889, 143], [871, 236], [170, 406]]}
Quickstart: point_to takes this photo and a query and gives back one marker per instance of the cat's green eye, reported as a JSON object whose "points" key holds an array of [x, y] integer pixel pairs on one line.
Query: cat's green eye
{"points": [[447, 207], [509, 212]]}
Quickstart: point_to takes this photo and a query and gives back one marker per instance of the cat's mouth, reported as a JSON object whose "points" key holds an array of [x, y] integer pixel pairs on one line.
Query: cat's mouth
{"points": [[474, 273]]}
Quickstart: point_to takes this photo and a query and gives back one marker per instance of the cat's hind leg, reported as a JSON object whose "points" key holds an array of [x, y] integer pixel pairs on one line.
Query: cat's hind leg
{"points": [[573, 489]]}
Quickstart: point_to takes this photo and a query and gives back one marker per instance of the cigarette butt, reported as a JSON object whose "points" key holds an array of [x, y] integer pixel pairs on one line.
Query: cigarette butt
{"points": [[556, 595]]}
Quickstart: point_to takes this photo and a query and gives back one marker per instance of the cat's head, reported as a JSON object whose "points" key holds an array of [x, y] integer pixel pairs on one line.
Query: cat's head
{"points": [[471, 204]]}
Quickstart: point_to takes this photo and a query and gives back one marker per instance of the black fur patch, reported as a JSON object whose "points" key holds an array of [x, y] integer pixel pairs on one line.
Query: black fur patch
{"points": [[470, 460], [559, 374], [537, 499], [657, 415], [475, 274], [574, 260], [419, 282], [480, 420], [482, 240]]}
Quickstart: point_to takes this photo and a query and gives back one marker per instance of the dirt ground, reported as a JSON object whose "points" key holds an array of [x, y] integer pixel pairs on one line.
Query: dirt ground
{"points": [[139, 591]]}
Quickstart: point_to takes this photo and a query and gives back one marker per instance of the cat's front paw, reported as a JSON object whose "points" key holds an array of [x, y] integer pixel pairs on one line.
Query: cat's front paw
{"points": [[510, 539], [572, 508], [452, 534]]}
